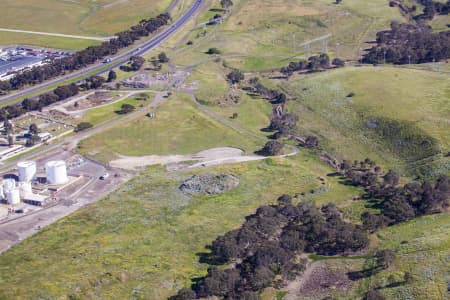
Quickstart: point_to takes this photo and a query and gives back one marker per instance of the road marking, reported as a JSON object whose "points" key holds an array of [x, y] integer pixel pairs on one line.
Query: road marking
{"points": [[82, 37]]}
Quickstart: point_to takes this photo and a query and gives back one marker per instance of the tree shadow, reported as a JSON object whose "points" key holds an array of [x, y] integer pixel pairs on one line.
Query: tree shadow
{"points": [[391, 285], [347, 182], [209, 258], [357, 275], [278, 77], [11, 176], [334, 174], [266, 129], [373, 203]]}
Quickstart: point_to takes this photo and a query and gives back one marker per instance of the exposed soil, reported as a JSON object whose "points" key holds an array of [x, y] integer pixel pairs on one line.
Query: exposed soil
{"points": [[137, 162], [93, 100], [319, 278]]}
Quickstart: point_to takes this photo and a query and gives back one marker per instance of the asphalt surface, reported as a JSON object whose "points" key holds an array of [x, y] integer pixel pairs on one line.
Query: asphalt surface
{"points": [[117, 61], [6, 66]]}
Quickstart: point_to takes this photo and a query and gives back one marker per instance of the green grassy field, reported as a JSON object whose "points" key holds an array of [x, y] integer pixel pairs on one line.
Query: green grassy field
{"points": [[83, 17], [210, 75], [141, 242], [418, 100], [106, 113], [12, 38], [274, 31], [179, 128], [422, 248]]}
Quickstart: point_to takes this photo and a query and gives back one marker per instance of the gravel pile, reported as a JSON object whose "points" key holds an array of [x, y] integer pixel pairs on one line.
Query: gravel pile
{"points": [[209, 184]]}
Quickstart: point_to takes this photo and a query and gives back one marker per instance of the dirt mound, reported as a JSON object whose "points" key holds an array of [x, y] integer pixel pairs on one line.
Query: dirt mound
{"points": [[209, 184]]}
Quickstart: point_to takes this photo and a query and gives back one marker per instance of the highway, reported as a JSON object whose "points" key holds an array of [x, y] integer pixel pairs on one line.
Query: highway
{"points": [[117, 61]]}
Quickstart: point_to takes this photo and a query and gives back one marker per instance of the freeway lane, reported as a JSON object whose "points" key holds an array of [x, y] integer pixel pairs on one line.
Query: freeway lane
{"points": [[118, 60]]}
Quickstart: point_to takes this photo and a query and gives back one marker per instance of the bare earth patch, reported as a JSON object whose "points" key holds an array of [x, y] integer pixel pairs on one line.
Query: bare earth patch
{"points": [[319, 278], [207, 157]]}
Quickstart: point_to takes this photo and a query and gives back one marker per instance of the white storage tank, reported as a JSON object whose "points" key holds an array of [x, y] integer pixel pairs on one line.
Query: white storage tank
{"points": [[56, 172], [13, 196], [27, 171], [2, 195], [9, 184], [25, 189]]}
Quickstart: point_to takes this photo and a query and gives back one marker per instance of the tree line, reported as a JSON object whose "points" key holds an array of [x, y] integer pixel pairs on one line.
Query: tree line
{"points": [[87, 56], [58, 94], [314, 63], [432, 9], [407, 43]]}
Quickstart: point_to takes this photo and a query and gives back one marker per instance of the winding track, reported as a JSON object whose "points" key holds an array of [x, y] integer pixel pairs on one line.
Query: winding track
{"points": [[118, 60]]}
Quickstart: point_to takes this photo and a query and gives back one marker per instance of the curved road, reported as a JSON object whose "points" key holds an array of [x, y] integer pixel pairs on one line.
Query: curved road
{"points": [[118, 60]]}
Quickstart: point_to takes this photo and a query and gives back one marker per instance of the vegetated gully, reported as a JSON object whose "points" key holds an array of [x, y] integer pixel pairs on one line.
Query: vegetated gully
{"points": [[118, 60]]}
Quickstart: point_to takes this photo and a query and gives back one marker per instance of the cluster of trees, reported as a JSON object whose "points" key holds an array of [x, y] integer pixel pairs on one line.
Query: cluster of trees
{"points": [[126, 109], [281, 121], [273, 96], [406, 43], [397, 203], [83, 126], [235, 76], [313, 64], [135, 64], [163, 58], [265, 250], [271, 148], [93, 82], [33, 135], [87, 56], [226, 4], [112, 75], [432, 8]]}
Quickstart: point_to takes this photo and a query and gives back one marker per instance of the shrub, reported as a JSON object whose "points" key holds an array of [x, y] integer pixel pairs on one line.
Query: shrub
{"points": [[83, 126]]}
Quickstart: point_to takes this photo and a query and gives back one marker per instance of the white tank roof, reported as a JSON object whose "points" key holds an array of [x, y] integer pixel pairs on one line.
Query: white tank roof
{"points": [[26, 164], [56, 172], [27, 170], [55, 163]]}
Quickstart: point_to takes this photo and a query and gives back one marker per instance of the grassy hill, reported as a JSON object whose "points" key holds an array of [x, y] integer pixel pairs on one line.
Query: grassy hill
{"points": [[275, 31], [391, 116]]}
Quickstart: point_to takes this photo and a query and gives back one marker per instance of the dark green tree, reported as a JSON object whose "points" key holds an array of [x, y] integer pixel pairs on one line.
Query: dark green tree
{"points": [[112, 76]]}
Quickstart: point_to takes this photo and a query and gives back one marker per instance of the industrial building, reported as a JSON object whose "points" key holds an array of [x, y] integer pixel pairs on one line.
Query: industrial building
{"points": [[13, 192]]}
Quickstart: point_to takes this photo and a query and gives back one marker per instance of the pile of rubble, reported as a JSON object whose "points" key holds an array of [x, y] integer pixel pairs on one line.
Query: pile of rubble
{"points": [[209, 184]]}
